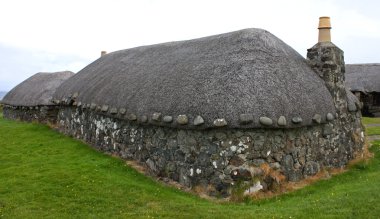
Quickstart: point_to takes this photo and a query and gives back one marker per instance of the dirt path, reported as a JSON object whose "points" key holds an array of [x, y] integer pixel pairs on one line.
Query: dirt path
{"points": [[372, 125]]}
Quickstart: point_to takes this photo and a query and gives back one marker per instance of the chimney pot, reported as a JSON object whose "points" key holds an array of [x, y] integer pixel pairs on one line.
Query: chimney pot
{"points": [[324, 29], [324, 23], [102, 53]]}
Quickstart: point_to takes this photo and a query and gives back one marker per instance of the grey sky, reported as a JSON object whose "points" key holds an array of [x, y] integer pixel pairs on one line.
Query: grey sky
{"points": [[46, 36]]}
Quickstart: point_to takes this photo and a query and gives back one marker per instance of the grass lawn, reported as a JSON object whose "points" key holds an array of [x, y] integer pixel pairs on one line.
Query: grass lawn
{"points": [[44, 174], [372, 130], [370, 120]]}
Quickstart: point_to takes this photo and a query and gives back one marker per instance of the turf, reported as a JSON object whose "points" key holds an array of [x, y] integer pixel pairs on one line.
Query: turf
{"points": [[373, 125], [371, 120], [44, 174], [373, 130]]}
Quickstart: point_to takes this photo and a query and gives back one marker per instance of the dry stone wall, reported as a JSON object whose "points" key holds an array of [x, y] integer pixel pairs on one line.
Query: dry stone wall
{"points": [[43, 114], [217, 159]]}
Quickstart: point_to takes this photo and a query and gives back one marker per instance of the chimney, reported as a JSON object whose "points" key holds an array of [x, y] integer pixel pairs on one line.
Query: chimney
{"points": [[327, 60], [102, 53], [324, 29]]}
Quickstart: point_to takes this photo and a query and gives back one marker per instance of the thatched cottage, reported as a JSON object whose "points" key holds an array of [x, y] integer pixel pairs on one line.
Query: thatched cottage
{"points": [[220, 112], [236, 108], [364, 81], [31, 99]]}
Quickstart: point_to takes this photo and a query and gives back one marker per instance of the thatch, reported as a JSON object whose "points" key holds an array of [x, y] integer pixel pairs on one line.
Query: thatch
{"points": [[363, 77], [244, 72], [36, 90], [352, 101]]}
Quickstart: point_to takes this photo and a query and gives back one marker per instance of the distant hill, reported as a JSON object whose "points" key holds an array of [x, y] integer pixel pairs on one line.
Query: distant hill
{"points": [[2, 94]]}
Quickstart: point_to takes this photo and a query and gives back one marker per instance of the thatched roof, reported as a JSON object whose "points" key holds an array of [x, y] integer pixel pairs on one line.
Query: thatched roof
{"points": [[36, 90], [353, 102], [248, 72], [363, 77]]}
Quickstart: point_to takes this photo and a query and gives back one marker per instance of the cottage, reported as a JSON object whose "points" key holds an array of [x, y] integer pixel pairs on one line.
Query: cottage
{"points": [[241, 107], [31, 99], [364, 81]]}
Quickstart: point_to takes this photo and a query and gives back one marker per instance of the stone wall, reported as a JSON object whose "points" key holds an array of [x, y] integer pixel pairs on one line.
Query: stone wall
{"points": [[216, 159], [43, 114]]}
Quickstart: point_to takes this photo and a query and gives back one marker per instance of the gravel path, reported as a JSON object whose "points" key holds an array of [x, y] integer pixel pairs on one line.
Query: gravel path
{"points": [[372, 125], [373, 137]]}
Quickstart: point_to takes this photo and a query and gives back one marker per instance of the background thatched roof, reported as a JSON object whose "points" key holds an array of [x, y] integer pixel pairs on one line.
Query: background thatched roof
{"points": [[244, 72], [36, 90], [363, 77]]}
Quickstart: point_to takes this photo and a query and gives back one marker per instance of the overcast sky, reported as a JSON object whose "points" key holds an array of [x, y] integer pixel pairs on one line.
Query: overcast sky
{"points": [[55, 35]]}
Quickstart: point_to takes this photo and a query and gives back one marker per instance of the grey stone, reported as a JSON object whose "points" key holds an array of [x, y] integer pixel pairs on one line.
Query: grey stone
{"points": [[198, 120], [258, 141], [92, 106], [79, 104], [75, 95], [277, 156], [151, 165], [220, 122], [168, 119], [275, 165], [327, 130], [113, 110], [182, 119], [266, 121], [359, 105], [122, 111], [330, 117], [132, 117], [104, 108], [236, 161], [144, 119], [311, 168], [352, 108], [317, 118], [297, 165], [245, 118], [297, 120], [75, 103], [258, 162], [287, 162], [238, 134], [156, 116], [221, 136], [281, 121]]}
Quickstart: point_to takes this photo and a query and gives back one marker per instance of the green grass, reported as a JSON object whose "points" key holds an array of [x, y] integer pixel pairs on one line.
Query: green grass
{"points": [[44, 174], [372, 130], [370, 120]]}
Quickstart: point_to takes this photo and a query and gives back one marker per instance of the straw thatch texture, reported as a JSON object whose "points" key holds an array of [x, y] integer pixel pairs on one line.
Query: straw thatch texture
{"points": [[363, 77], [36, 90], [244, 72]]}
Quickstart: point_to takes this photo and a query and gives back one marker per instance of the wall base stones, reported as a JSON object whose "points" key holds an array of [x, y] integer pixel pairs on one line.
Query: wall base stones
{"points": [[219, 159], [43, 114]]}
